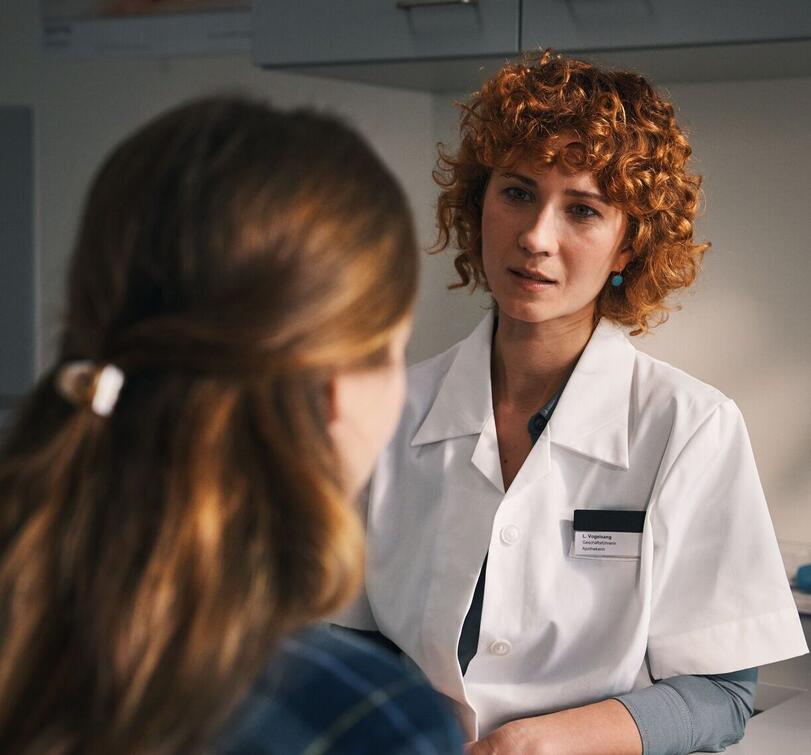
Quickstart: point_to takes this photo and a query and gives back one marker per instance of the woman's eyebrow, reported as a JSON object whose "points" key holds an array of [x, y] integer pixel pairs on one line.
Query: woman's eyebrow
{"points": [[523, 179], [587, 195]]}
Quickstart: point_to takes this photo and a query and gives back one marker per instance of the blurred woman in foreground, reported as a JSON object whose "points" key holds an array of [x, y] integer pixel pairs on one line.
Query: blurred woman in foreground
{"points": [[174, 506]]}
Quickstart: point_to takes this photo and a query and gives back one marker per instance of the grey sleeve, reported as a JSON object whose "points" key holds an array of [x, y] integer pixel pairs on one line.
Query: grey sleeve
{"points": [[685, 714]]}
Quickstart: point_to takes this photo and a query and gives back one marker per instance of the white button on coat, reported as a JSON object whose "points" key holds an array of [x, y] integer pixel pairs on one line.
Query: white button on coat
{"points": [[500, 647], [707, 595], [510, 534]]}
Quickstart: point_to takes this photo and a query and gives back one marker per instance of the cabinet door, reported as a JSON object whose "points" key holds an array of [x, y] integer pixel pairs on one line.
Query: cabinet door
{"points": [[574, 25], [16, 254], [301, 32]]}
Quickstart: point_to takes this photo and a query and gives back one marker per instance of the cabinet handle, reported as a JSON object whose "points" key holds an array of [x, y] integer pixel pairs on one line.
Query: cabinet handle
{"points": [[409, 4]]}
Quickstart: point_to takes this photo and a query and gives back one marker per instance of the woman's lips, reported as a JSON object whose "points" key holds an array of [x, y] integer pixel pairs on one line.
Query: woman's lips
{"points": [[531, 279]]}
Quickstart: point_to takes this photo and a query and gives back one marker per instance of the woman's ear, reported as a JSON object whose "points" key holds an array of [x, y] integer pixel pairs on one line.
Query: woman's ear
{"points": [[624, 256]]}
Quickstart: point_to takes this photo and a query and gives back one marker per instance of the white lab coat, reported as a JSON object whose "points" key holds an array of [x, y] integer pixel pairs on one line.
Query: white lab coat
{"points": [[707, 595]]}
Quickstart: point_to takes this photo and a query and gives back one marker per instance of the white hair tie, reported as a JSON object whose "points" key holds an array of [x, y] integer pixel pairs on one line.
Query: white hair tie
{"points": [[86, 384]]}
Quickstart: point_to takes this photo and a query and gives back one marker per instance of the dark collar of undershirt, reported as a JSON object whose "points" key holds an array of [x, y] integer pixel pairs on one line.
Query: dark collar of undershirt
{"points": [[538, 421]]}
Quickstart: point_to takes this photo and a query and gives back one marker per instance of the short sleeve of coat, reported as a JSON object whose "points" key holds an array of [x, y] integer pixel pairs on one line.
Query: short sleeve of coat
{"points": [[720, 600]]}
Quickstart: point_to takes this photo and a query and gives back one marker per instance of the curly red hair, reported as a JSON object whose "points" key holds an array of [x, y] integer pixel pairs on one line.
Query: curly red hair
{"points": [[627, 137]]}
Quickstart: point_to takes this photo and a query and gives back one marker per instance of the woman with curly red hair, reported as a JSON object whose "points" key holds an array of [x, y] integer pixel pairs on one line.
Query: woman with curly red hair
{"points": [[603, 579]]}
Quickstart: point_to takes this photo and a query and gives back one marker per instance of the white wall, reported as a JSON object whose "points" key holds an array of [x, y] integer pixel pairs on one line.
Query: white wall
{"points": [[744, 326]]}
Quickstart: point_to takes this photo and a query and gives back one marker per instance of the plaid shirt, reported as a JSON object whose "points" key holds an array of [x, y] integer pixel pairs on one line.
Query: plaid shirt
{"points": [[330, 692]]}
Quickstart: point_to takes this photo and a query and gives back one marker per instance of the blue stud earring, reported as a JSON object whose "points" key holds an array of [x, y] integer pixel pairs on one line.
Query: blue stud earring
{"points": [[616, 280]]}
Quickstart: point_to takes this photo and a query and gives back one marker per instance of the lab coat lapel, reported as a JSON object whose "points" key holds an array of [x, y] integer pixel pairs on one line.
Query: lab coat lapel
{"points": [[485, 456], [464, 403], [592, 415]]}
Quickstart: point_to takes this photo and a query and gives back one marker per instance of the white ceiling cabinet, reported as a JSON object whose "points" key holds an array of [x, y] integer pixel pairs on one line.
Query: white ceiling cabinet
{"points": [[311, 32], [585, 25], [450, 45]]}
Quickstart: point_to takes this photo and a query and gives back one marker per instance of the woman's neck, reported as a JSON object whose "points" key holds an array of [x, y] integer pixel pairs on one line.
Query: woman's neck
{"points": [[531, 361]]}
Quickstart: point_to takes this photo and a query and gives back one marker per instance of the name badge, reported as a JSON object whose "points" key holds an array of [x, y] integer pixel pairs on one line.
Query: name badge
{"points": [[607, 533]]}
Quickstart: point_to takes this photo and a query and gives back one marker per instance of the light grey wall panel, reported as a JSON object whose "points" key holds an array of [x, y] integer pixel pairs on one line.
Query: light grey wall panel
{"points": [[17, 312]]}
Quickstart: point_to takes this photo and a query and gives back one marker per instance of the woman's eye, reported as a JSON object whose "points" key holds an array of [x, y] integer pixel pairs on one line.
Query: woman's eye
{"points": [[583, 211], [517, 194]]}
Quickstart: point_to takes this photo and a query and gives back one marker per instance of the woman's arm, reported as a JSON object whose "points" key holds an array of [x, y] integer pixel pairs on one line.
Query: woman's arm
{"points": [[606, 728], [675, 716]]}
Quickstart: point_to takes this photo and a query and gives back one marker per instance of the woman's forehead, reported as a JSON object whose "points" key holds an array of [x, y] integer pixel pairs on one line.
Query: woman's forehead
{"points": [[533, 165], [566, 149]]}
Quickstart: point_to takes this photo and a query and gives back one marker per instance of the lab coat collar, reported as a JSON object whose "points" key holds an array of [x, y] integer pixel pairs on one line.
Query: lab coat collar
{"points": [[464, 403], [591, 417]]}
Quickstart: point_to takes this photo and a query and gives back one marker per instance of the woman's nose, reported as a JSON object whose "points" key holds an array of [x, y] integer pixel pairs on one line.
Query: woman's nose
{"points": [[540, 236]]}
